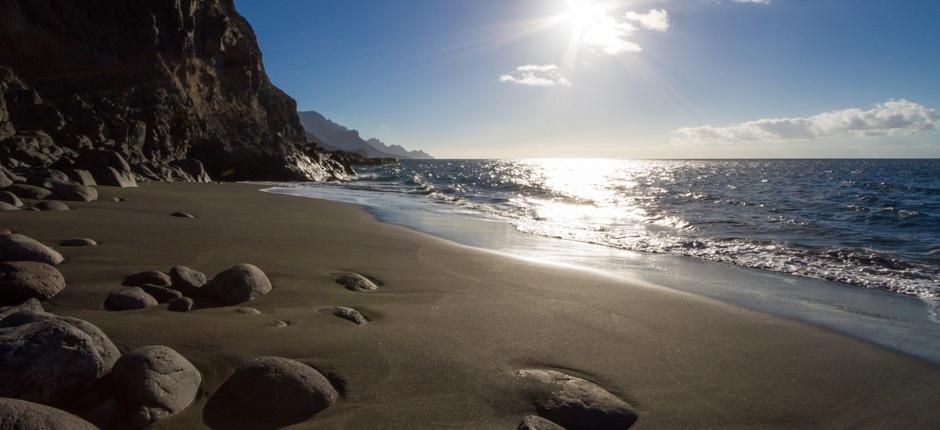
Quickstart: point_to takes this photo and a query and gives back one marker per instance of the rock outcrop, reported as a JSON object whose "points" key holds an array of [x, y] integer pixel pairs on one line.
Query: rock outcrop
{"points": [[23, 415], [174, 87]]}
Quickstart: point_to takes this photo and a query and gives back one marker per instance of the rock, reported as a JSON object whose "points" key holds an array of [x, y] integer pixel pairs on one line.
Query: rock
{"points": [[130, 298], [4, 206], [82, 177], [18, 414], [117, 199], [111, 177], [193, 168], [269, 392], [162, 294], [182, 215], [102, 344], [356, 282], [28, 305], [351, 315], [75, 193], [52, 205], [24, 191], [187, 281], [247, 311], [152, 277], [238, 284], [280, 324], [575, 403], [47, 178], [155, 383], [182, 304], [78, 241], [5, 180], [10, 198], [17, 247], [47, 361], [107, 168], [23, 280], [535, 422]]}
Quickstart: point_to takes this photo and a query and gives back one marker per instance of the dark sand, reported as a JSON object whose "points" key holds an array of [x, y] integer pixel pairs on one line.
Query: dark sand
{"points": [[452, 324]]}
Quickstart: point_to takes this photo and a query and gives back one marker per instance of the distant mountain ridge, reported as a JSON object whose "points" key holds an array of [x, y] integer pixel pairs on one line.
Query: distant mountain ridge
{"points": [[333, 136]]}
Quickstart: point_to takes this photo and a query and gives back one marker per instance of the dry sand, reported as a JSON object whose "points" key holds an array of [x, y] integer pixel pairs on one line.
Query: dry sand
{"points": [[451, 324]]}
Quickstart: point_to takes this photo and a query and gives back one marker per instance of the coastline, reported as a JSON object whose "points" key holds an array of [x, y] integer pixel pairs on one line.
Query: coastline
{"points": [[452, 323]]}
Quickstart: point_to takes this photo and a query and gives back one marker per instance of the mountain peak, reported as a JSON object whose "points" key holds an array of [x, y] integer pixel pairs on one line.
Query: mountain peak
{"points": [[333, 136]]}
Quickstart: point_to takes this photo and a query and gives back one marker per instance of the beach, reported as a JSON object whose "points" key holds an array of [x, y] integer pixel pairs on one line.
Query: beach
{"points": [[450, 325]]}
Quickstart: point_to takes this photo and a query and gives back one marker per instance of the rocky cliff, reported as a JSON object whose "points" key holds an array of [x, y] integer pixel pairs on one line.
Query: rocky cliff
{"points": [[159, 82]]}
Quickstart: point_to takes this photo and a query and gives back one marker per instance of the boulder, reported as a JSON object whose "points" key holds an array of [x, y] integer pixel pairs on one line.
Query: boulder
{"points": [[75, 193], [10, 198], [111, 177], [28, 305], [152, 277], [356, 282], [5, 180], [82, 177], [78, 241], [47, 361], [575, 403], [193, 168], [182, 304], [154, 383], [130, 298], [47, 178], [52, 205], [269, 392], [29, 314], [18, 414], [24, 191], [182, 215], [186, 280], [535, 422], [351, 315], [162, 294], [4, 206], [18, 247], [238, 284], [23, 280]]}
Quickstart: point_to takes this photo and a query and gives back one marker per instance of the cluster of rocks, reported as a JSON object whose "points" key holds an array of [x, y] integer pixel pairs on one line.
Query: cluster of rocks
{"points": [[183, 288]]}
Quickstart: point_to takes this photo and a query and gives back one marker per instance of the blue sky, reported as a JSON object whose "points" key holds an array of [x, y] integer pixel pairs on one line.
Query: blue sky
{"points": [[625, 79]]}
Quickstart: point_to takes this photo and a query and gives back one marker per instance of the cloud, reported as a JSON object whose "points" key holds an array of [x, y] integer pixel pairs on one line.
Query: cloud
{"points": [[536, 76], [891, 118], [752, 1], [655, 19]]}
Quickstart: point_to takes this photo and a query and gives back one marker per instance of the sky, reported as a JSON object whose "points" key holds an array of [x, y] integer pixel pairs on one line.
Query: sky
{"points": [[618, 79]]}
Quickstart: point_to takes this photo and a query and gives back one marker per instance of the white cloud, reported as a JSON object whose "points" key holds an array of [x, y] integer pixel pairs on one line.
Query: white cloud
{"points": [[533, 75], [655, 19], [752, 1], [891, 118]]}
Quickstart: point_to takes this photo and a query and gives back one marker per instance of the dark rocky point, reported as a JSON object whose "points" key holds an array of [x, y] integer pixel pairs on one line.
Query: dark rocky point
{"points": [[130, 298], [52, 206], [22, 280], [18, 247], [238, 284], [152, 277], [22, 415]]}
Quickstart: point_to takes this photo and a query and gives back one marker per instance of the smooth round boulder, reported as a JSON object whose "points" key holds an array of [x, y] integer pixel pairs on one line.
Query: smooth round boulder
{"points": [[130, 298], [575, 403], [52, 206], [269, 392], [152, 277], [18, 247], [155, 383], [102, 344], [22, 415], [162, 294], [47, 361], [186, 280], [10, 198], [78, 241], [238, 284], [23, 280], [6, 207], [75, 193], [356, 282], [182, 304], [24, 191]]}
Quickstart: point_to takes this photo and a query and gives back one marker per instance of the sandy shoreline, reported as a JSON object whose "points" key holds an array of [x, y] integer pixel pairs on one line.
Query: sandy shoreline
{"points": [[452, 324]]}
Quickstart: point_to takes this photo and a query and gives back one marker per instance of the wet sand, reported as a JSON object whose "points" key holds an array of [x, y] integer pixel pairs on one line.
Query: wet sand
{"points": [[451, 325]]}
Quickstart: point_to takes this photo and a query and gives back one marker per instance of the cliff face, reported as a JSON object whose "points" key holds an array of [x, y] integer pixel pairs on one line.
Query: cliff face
{"points": [[153, 80]]}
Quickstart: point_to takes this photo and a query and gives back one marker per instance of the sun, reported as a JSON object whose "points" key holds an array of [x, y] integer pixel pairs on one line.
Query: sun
{"points": [[583, 14]]}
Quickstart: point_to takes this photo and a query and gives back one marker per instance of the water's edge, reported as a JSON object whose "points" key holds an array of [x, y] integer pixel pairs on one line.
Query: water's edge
{"points": [[897, 322]]}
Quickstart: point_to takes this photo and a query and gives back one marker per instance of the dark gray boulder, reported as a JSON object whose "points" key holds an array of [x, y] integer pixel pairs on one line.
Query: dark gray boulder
{"points": [[351, 315], [52, 206], [111, 177], [82, 177], [18, 247], [47, 178], [193, 168], [107, 168], [18, 414], [47, 361], [75, 193], [162, 294], [269, 392], [152, 277], [238, 284], [130, 298], [154, 383], [182, 304], [6, 207], [187, 281], [78, 241], [356, 282], [24, 191], [28, 305], [23, 280], [5, 180], [10, 198], [102, 344], [535, 422], [575, 403]]}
